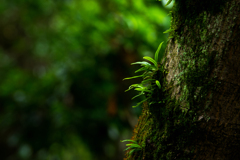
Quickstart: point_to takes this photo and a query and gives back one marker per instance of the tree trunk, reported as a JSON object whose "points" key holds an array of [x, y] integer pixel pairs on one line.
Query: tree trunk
{"points": [[199, 113]]}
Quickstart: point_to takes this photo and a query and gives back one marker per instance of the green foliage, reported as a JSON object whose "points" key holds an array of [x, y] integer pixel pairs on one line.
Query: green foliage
{"points": [[157, 52], [158, 84], [151, 60], [147, 86], [132, 147]]}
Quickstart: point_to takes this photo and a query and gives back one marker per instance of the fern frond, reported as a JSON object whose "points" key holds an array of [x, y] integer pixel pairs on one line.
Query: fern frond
{"points": [[142, 69], [146, 68], [128, 140], [151, 60], [133, 77], [138, 95], [132, 86], [133, 145], [143, 90], [142, 63], [157, 52], [158, 84], [141, 102]]}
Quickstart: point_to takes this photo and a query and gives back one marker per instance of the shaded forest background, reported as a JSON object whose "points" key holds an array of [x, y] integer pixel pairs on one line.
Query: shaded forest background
{"points": [[61, 69]]}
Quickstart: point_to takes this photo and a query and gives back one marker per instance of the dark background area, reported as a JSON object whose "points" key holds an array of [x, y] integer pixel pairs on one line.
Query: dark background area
{"points": [[61, 69]]}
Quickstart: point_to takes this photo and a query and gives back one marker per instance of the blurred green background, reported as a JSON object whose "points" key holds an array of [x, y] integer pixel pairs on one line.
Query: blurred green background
{"points": [[61, 69]]}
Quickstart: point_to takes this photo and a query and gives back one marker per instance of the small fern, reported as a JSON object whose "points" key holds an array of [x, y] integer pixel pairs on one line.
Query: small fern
{"points": [[148, 70], [133, 147]]}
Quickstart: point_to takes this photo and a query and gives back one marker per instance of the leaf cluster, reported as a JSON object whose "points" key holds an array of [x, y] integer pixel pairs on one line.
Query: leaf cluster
{"points": [[133, 147], [148, 83]]}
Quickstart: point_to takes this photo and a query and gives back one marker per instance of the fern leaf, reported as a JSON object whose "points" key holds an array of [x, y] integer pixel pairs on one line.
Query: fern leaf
{"points": [[132, 86], [151, 60], [143, 90], [138, 95], [157, 52], [142, 69], [133, 145], [146, 68], [142, 63], [128, 140], [147, 73], [158, 84], [148, 76], [141, 102], [133, 77]]}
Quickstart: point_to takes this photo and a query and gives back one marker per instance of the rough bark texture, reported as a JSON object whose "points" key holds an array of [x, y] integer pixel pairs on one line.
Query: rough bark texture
{"points": [[200, 118]]}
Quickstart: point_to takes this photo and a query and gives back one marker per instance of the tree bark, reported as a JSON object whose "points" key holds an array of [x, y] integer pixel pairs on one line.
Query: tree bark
{"points": [[200, 115]]}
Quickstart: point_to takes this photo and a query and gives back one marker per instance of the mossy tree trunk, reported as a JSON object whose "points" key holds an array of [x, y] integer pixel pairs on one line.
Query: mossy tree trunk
{"points": [[199, 113]]}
